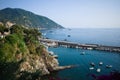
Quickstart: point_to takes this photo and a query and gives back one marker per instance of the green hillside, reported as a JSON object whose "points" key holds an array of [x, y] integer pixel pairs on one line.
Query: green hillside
{"points": [[26, 18]]}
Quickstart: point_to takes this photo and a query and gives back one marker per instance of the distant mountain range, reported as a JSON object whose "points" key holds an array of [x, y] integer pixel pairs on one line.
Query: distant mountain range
{"points": [[26, 18]]}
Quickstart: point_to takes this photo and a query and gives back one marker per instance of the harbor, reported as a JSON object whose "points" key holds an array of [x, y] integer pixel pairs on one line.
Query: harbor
{"points": [[92, 56], [56, 43]]}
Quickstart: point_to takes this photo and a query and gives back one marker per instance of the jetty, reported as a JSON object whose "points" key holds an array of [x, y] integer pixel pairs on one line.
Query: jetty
{"points": [[65, 67], [56, 43]]}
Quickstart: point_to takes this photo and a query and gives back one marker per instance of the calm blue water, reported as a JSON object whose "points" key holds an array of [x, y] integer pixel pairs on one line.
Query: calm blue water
{"points": [[72, 56], [91, 36]]}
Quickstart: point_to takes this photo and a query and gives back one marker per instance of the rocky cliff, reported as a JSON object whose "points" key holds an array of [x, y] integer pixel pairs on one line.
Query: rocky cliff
{"points": [[44, 63], [37, 65], [22, 56]]}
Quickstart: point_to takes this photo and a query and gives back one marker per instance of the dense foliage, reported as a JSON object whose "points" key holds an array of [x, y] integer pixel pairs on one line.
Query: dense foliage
{"points": [[26, 18], [19, 41], [15, 46]]}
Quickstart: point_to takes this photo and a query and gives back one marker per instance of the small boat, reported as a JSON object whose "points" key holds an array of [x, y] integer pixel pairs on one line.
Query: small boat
{"points": [[68, 35], [91, 68], [98, 70], [65, 39], [51, 52], [83, 53], [100, 63], [92, 64], [50, 31], [108, 66]]}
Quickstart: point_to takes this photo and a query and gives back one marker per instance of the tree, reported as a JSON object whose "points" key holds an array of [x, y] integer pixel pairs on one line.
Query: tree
{"points": [[2, 28]]}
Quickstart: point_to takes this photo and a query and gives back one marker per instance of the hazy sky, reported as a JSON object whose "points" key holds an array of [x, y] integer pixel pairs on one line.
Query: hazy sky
{"points": [[73, 13]]}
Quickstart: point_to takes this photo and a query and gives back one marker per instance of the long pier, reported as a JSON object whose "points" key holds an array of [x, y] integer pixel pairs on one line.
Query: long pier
{"points": [[55, 43]]}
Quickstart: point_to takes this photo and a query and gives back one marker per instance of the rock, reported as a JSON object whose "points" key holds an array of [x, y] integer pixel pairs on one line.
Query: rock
{"points": [[9, 24], [65, 67], [44, 64]]}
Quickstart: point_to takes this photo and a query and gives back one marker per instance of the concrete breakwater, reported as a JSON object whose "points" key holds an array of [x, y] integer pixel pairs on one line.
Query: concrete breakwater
{"points": [[65, 67], [56, 43]]}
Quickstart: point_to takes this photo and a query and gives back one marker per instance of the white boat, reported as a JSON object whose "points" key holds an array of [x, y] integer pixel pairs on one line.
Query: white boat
{"points": [[90, 48], [91, 68], [101, 63], [98, 70], [51, 52], [108, 66]]}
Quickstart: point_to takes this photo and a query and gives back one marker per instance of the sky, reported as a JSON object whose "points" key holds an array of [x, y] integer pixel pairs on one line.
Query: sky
{"points": [[73, 13]]}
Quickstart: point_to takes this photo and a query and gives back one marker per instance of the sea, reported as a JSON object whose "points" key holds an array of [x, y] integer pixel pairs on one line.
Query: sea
{"points": [[72, 56]]}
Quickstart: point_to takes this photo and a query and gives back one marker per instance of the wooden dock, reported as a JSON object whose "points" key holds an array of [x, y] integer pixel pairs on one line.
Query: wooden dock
{"points": [[56, 43]]}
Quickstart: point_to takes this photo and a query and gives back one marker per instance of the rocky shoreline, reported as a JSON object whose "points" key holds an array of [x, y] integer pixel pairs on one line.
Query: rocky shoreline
{"points": [[40, 65]]}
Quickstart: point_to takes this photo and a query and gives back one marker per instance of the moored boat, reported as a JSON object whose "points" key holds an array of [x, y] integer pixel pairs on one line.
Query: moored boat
{"points": [[98, 70], [100, 63], [92, 64], [69, 36], [91, 68], [108, 66], [83, 53]]}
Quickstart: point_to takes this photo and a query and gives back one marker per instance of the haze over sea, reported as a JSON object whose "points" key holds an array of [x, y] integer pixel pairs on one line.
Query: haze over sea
{"points": [[72, 56], [102, 36]]}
